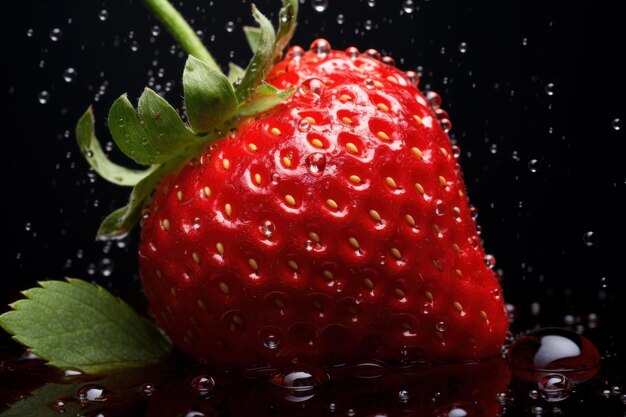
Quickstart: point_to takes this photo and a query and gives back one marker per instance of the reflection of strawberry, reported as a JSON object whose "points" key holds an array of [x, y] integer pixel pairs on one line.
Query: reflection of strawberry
{"points": [[335, 226]]}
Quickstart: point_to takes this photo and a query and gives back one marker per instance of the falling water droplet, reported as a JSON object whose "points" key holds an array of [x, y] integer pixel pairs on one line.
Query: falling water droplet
{"points": [[319, 5], [616, 124], [340, 19], [316, 163], [463, 47], [590, 238], [43, 97], [550, 89], [408, 6], [533, 165], [103, 15], [55, 34], [69, 75], [230, 26]]}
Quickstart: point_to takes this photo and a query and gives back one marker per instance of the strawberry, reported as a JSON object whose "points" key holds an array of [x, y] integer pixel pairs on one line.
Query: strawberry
{"points": [[332, 225]]}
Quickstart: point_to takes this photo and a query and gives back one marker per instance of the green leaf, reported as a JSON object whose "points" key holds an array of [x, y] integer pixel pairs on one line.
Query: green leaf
{"points": [[76, 325], [92, 151], [261, 61], [265, 97], [209, 96], [152, 135], [235, 73], [252, 36]]}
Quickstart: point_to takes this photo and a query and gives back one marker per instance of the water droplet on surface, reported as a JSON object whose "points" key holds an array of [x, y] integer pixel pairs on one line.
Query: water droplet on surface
{"points": [[554, 387], [319, 5], [590, 238], [316, 163], [230, 26], [321, 47], [434, 99], [490, 261], [271, 341], [69, 75], [457, 412], [92, 393], [55, 34], [43, 97], [441, 326], [440, 208], [404, 396], [312, 89], [204, 384], [408, 6], [463, 47], [554, 351], [267, 228], [300, 377], [146, 389], [550, 89], [616, 124], [103, 15], [304, 125]]}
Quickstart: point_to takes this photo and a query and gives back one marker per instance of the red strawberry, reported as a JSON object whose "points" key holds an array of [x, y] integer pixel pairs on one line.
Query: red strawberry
{"points": [[334, 227]]}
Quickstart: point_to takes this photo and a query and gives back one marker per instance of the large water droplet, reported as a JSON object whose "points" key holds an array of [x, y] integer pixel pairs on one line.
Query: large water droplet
{"points": [[312, 89], [92, 393], [271, 341], [316, 163], [300, 377], [321, 47], [554, 351]]}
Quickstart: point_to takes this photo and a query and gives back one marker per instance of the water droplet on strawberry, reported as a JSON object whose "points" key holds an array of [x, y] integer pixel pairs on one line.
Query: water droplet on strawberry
{"points": [[295, 52], [304, 125], [441, 326], [274, 178], [446, 125], [267, 228], [440, 208], [311, 89], [434, 99], [316, 163], [352, 52], [413, 78], [404, 396], [321, 47], [369, 83], [300, 377], [146, 389], [204, 384], [490, 261], [373, 53], [271, 341]]}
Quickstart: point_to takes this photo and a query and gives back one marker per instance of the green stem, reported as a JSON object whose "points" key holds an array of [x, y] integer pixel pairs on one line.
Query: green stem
{"points": [[181, 31]]}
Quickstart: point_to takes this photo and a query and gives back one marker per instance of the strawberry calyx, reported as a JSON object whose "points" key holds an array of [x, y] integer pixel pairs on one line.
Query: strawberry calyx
{"points": [[154, 135]]}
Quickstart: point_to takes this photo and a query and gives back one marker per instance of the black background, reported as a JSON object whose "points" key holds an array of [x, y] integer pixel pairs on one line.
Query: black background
{"points": [[495, 92]]}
